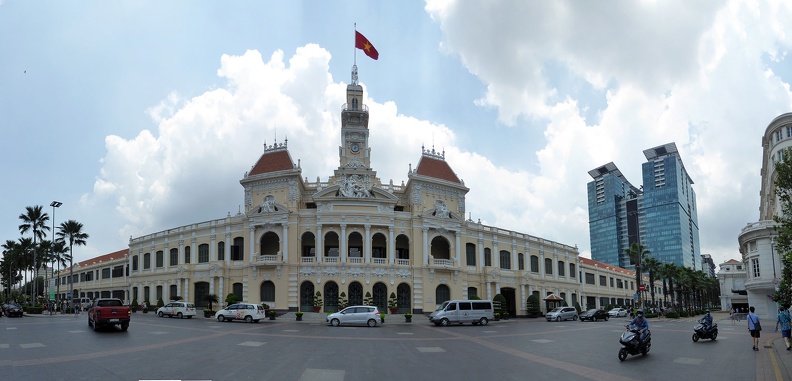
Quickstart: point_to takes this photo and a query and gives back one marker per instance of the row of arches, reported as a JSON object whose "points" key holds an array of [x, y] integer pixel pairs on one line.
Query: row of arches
{"points": [[354, 295]]}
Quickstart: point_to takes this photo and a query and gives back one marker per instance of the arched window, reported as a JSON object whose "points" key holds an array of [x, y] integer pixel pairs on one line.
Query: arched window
{"points": [[402, 247], [470, 254], [174, 257], [267, 292], [534, 264], [237, 287], [238, 249], [487, 256], [158, 260], [203, 253], [173, 292], [134, 263], [561, 268], [441, 249], [146, 261], [187, 254], [308, 242], [572, 272], [442, 293], [505, 260], [270, 244], [548, 266], [520, 261], [221, 251]]}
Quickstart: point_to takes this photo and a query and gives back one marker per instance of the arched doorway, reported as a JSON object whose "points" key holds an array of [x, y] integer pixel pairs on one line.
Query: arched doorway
{"points": [[440, 249], [269, 244], [306, 296], [201, 292], [267, 292], [380, 296], [355, 294], [511, 301], [442, 294], [331, 297], [403, 298]]}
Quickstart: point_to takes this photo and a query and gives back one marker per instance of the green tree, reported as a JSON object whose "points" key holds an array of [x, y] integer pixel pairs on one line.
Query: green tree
{"points": [[651, 265], [637, 252], [34, 220], [71, 231], [783, 240], [533, 306], [211, 298], [60, 256]]}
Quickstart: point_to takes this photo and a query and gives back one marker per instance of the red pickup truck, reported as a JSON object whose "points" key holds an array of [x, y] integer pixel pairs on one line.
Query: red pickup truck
{"points": [[109, 311]]}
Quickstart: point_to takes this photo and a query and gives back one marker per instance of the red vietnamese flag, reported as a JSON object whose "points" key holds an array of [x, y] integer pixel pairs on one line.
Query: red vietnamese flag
{"points": [[361, 42]]}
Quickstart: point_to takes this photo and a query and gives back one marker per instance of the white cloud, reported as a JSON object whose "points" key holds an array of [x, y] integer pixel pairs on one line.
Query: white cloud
{"points": [[700, 81]]}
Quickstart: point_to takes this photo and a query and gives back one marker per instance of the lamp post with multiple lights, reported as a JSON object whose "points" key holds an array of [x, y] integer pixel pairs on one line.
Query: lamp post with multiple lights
{"points": [[54, 204]]}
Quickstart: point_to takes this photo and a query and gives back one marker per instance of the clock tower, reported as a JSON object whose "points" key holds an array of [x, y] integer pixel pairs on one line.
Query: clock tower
{"points": [[354, 151]]}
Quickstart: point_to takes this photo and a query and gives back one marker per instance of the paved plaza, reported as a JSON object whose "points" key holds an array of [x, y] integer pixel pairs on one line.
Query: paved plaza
{"points": [[63, 347]]}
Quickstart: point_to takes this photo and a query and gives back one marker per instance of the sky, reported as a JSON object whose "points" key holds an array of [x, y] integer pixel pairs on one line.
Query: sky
{"points": [[141, 116]]}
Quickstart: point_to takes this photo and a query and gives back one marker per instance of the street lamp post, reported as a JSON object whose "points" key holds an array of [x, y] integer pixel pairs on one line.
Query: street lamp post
{"points": [[54, 204]]}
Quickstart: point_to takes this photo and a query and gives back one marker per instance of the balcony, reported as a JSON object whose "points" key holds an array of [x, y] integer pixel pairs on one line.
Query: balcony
{"points": [[403, 262], [441, 262], [269, 259]]}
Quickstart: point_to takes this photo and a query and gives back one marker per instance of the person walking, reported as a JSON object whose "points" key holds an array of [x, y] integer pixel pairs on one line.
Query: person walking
{"points": [[785, 320], [755, 327]]}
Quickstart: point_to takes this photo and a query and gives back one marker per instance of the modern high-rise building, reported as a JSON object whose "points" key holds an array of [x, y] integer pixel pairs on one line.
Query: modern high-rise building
{"points": [[661, 215]]}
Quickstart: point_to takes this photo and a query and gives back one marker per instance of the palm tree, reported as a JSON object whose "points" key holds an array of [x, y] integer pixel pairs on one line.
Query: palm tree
{"points": [[71, 231], [34, 219], [24, 260], [651, 266], [12, 256], [668, 271], [60, 254], [637, 252]]}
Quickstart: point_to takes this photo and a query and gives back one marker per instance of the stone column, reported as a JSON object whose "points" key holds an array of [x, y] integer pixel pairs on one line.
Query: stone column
{"points": [[425, 232], [285, 245], [367, 243], [319, 250], [343, 251], [252, 244], [457, 241], [228, 247], [391, 246], [495, 252], [213, 247], [481, 253]]}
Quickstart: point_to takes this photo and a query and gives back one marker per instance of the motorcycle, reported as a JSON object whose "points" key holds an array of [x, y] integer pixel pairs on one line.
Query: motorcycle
{"points": [[700, 332], [630, 342]]}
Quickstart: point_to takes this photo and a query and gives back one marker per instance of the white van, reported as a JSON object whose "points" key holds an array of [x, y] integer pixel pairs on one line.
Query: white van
{"points": [[463, 311]]}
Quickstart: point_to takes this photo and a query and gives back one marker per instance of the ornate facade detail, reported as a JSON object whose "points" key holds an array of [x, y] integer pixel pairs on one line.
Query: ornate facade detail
{"points": [[355, 164], [416, 194], [431, 275], [441, 209], [455, 276], [354, 136], [404, 274], [268, 206], [293, 190], [384, 208], [380, 272], [351, 188], [307, 271]]}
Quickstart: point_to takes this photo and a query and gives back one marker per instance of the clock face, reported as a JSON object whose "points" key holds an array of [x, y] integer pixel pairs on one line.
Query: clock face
{"points": [[355, 147]]}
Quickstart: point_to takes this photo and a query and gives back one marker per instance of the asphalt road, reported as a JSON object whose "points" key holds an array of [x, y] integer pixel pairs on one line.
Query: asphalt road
{"points": [[65, 348]]}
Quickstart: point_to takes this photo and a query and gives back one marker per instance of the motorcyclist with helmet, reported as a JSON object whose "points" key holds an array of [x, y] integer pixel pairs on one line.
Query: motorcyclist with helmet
{"points": [[707, 320], [641, 324]]}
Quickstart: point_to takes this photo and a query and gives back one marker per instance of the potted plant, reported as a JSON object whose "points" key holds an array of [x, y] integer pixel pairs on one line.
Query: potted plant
{"points": [[134, 305], [382, 317], [318, 302], [342, 301], [210, 298], [497, 316], [272, 315], [408, 317], [231, 298], [299, 315], [392, 304], [145, 306], [266, 308]]}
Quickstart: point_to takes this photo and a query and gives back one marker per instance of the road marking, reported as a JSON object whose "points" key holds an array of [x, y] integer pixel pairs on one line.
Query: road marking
{"points": [[543, 341], [11, 328], [322, 375], [404, 333], [291, 330], [158, 333], [490, 331], [4, 346], [430, 349], [83, 331], [252, 343], [688, 361], [31, 345]]}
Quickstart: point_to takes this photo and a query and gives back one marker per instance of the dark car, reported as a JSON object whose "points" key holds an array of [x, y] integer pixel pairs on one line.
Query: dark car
{"points": [[594, 315], [12, 310]]}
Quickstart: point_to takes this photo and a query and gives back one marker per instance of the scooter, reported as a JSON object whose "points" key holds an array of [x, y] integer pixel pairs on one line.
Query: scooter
{"points": [[630, 342], [700, 332]]}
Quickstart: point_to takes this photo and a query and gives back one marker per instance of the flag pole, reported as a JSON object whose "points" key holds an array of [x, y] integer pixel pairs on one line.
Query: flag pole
{"points": [[354, 47]]}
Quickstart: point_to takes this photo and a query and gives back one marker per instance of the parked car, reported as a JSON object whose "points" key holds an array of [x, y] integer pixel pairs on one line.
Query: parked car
{"points": [[242, 311], [562, 313], [179, 309], [355, 315], [617, 312], [594, 315], [12, 310]]}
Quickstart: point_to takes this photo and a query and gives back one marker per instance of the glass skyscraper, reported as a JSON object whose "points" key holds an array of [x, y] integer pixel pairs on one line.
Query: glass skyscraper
{"points": [[661, 216]]}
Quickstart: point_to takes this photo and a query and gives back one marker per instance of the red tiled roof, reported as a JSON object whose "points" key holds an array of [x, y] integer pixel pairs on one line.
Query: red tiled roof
{"points": [[104, 258], [436, 168], [553, 297], [272, 162], [593, 263]]}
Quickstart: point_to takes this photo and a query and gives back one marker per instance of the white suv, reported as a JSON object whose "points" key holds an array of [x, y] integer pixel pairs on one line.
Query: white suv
{"points": [[179, 309], [242, 311]]}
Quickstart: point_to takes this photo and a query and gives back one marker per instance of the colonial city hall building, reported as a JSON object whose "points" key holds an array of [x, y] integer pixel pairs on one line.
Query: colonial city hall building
{"points": [[354, 235]]}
